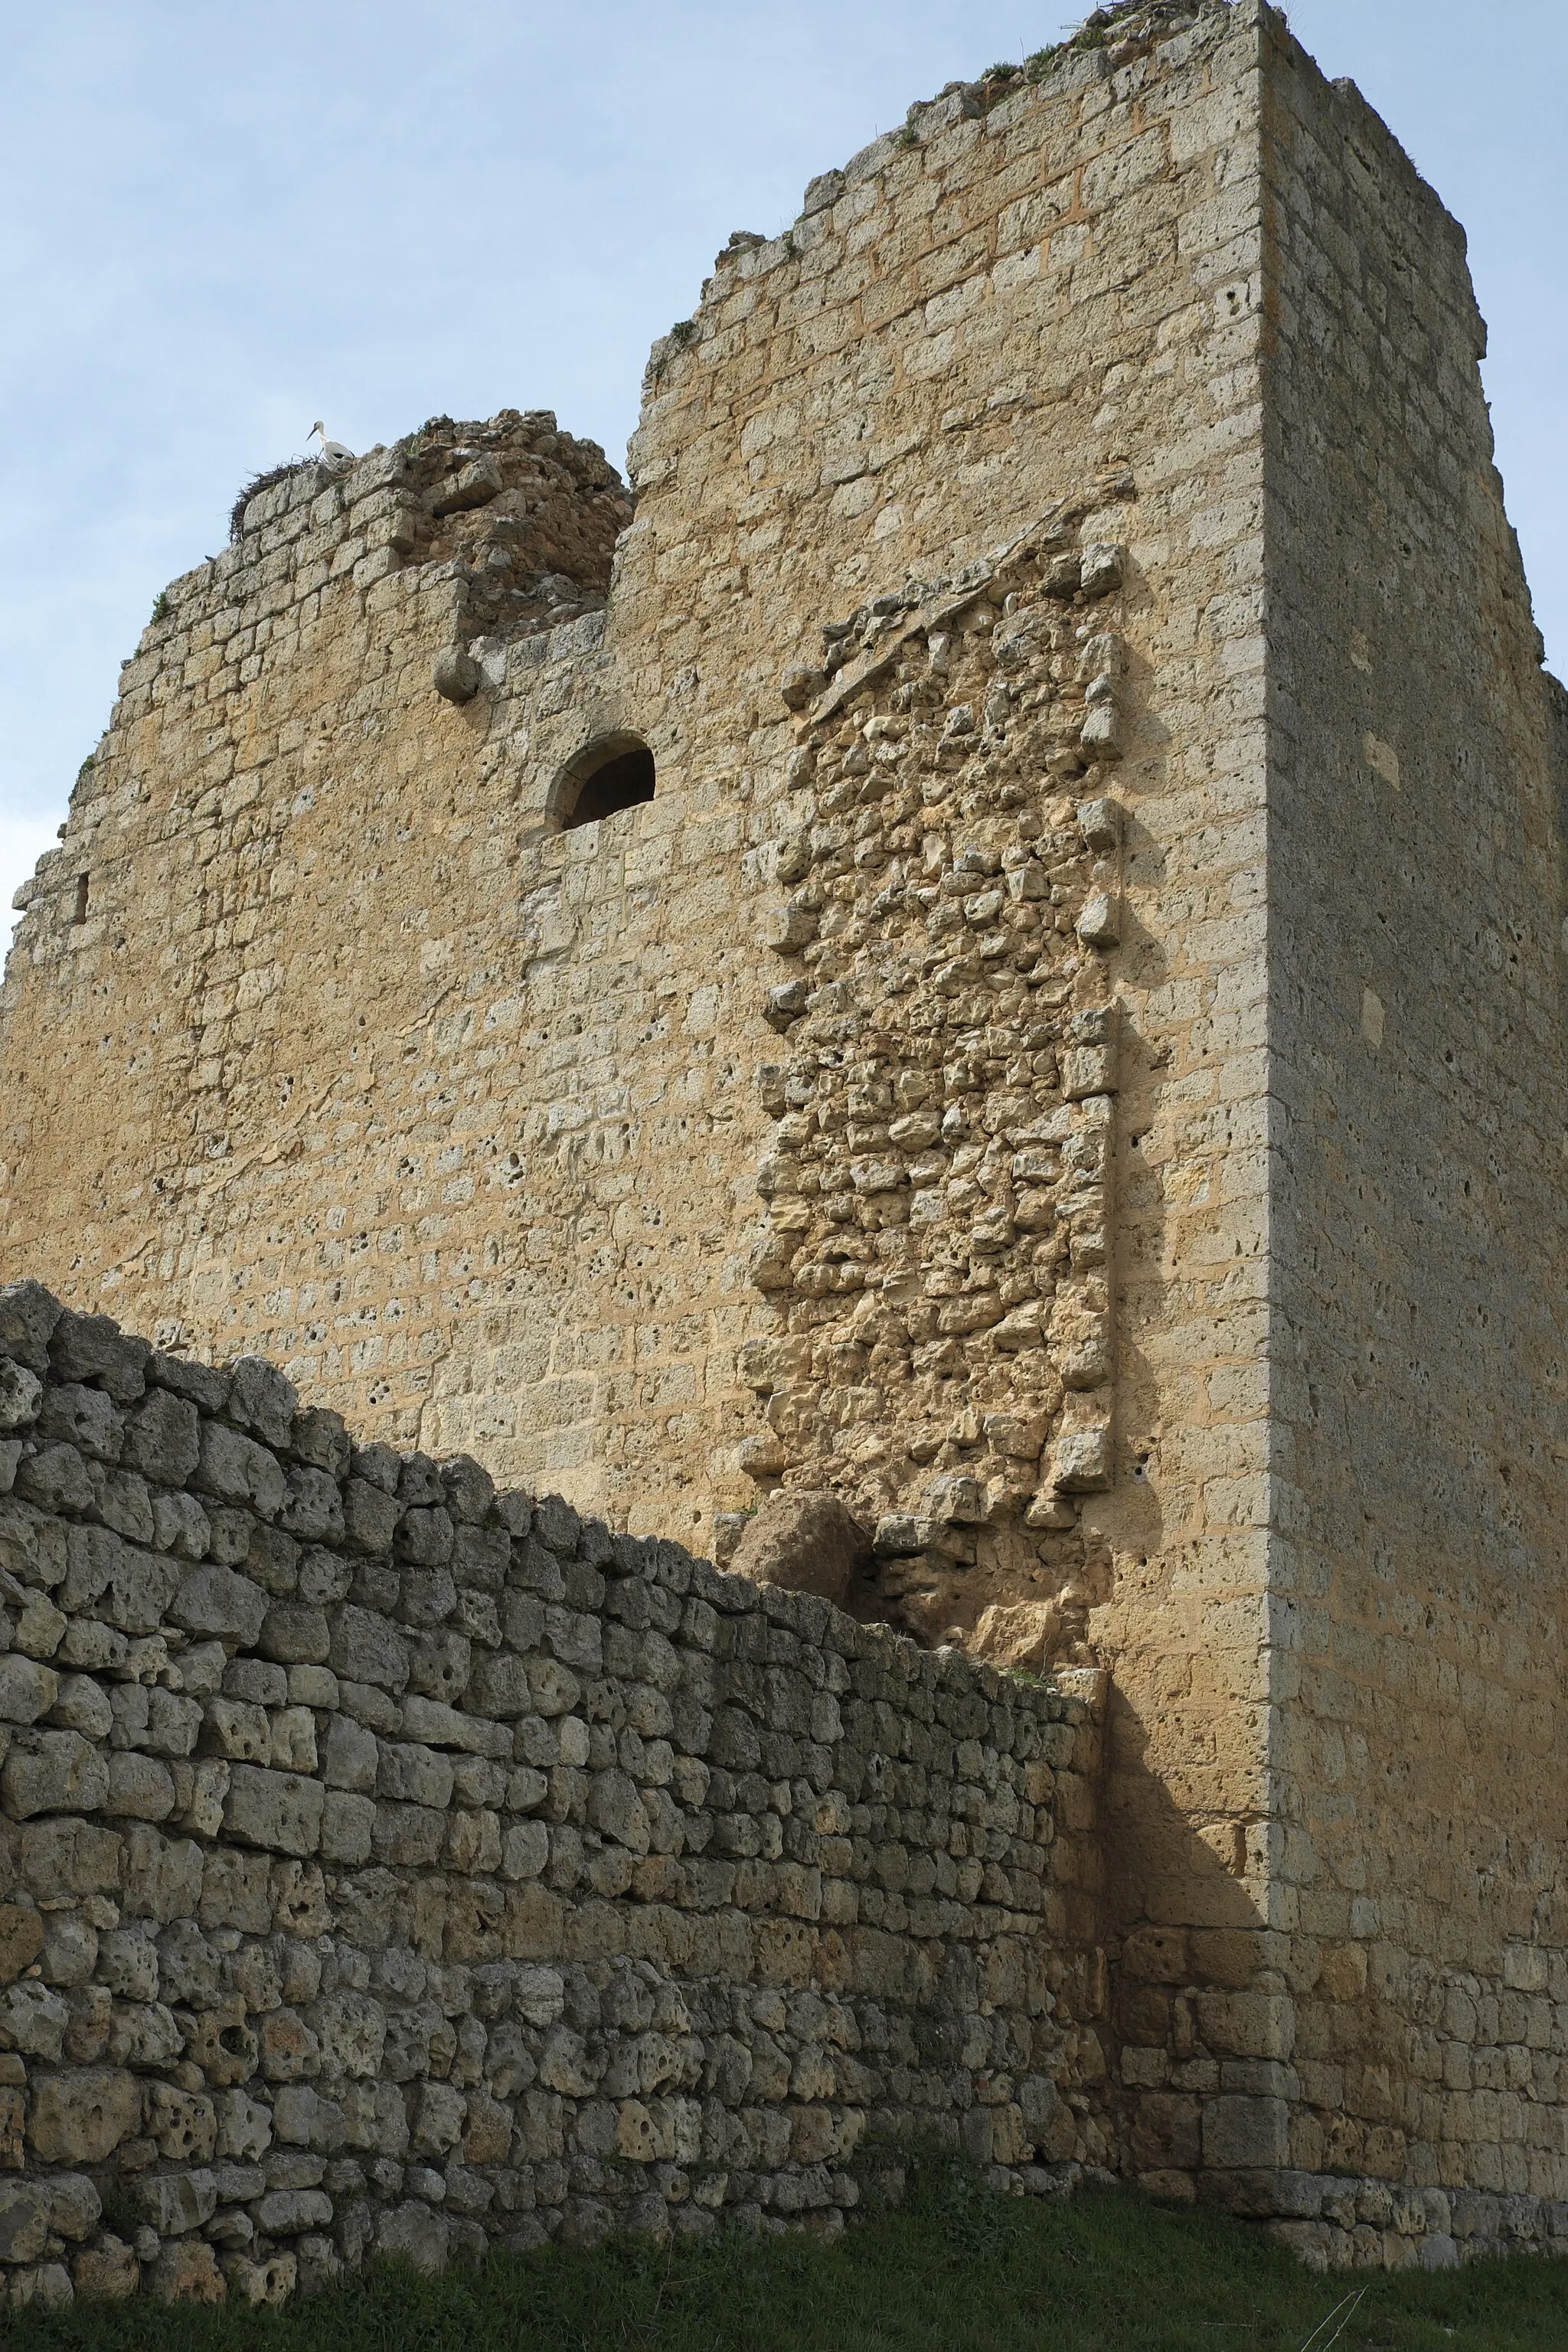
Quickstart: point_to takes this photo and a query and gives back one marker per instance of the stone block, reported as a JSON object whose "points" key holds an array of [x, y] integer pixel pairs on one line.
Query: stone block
{"points": [[255, 2283], [427, 1538], [235, 1470], [82, 1417], [24, 2221], [1100, 568], [143, 2035], [352, 1755], [79, 2116], [804, 1542], [501, 1687], [294, 1739], [58, 1773], [69, 1857], [414, 2234], [554, 1687], [616, 1807], [244, 2126], [56, 1479], [40, 1627], [20, 1396], [295, 1635], [178, 2202], [48, 2284], [174, 1721], [281, 1811], [1081, 1461], [185, 2128], [313, 1508], [107, 2272], [321, 1438], [162, 1438], [1246, 2024], [409, 1836], [34, 1547], [216, 1603], [1245, 2134], [139, 1787], [21, 1940], [185, 2271], [28, 1689], [258, 1682], [271, 1556], [180, 1525], [370, 1516], [238, 1730], [287, 2212], [28, 1315], [81, 1704], [262, 1400], [94, 1347], [366, 1647], [411, 1774]]}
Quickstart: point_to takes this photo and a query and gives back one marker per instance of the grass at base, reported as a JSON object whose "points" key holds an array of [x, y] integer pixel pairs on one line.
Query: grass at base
{"points": [[956, 2269]]}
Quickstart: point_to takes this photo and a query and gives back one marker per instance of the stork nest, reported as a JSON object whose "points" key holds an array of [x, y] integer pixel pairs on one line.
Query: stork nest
{"points": [[254, 488]]}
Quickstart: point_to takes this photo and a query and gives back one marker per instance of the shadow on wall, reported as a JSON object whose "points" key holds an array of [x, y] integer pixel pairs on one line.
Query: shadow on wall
{"points": [[1201, 2031]]}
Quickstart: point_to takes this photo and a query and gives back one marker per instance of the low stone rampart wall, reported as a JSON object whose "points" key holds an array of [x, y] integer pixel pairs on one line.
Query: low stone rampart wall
{"points": [[390, 1864]]}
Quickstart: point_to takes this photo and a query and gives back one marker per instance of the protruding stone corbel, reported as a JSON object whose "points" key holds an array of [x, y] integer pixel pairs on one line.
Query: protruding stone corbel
{"points": [[457, 674]]}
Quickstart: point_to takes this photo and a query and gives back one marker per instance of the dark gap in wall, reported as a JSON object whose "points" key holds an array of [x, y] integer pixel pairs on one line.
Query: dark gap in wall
{"points": [[622, 782]]}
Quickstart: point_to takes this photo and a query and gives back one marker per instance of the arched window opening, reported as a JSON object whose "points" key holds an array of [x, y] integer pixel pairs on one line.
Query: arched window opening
{"points": [[616, 772]]}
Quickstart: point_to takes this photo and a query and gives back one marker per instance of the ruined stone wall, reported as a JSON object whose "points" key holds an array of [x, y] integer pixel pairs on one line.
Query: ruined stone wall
{"points": [[1069, 1059], [1023, 328], [390, 1864], [517, 1210], [1417, 1017], [286, 847], [478, 1122], [1380, 2059], [463, 1116], [939, 1190]]}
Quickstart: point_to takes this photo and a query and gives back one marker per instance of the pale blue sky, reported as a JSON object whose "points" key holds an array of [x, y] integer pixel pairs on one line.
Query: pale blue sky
{"points": [[221, 223]]}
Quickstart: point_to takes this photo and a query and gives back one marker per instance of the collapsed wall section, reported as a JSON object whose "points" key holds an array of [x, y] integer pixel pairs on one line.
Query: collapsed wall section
{"points": [[286, 844], [939, 1185], [387, 1864]]}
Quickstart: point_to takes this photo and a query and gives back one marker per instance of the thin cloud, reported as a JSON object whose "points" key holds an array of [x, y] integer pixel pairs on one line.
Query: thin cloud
{"points": [[221, 225]]}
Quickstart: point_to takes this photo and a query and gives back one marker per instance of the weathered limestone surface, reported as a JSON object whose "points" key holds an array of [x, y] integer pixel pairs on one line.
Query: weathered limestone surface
{"points": [[1421, 1079], [943, 588], [387, 1862], [461, 1117], [1069, 1063]]}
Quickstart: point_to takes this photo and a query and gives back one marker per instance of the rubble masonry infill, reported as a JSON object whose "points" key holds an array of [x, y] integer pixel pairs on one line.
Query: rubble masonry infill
{"points": [[390, 1865]]}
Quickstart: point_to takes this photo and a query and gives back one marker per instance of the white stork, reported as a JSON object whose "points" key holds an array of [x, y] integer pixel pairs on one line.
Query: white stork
{"points": [[332, 451]]}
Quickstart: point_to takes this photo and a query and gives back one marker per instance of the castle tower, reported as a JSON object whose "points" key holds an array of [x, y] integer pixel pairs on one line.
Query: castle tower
{"points": [[1068, 1055]]}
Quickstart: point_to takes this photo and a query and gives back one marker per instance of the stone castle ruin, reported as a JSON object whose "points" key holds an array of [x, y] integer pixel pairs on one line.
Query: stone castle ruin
{"points": [[955, 998]]}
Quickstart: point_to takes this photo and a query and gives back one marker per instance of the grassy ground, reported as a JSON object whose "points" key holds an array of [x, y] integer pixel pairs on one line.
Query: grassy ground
{"points": [[955, 2270]]}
